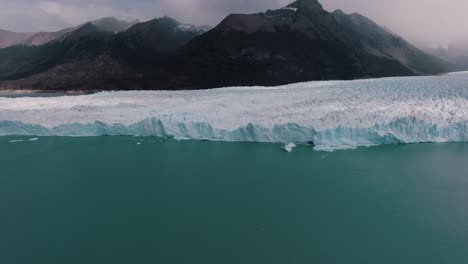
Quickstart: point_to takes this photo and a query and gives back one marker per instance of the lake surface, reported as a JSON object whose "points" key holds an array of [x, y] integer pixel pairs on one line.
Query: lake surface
{"points": [[146, 200]]}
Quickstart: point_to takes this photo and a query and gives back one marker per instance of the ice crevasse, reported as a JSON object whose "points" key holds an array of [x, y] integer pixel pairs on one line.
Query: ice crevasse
{"points": [[329, 114]]}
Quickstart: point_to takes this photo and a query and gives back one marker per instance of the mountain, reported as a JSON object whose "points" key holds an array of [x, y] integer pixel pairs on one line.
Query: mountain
{"points": [[8, 38], [161, 35], [112, 24], [455, 54], [91, 57], [109, 24], [42, 38], [22, 61], [381, 44], [299, 42]]}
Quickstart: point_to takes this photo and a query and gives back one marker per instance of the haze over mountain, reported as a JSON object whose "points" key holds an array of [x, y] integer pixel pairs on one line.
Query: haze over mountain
{"points": [[455, 53], [110, 24], [299, 42], [8, 38], [422, 22]]}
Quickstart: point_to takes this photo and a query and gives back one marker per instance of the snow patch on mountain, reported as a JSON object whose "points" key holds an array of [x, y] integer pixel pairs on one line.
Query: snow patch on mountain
{"points": [[289, 8]]}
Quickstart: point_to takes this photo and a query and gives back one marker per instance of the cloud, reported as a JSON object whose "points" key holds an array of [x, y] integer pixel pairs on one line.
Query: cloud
{"points": [[425, 22], [212, 11], [77, 13], [428, 22], [22, 16]]}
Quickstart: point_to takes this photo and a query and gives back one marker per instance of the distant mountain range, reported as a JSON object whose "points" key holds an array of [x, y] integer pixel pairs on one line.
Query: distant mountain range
{"points": [[8, 38], [300, 42], [40, 38], [455, 54]]}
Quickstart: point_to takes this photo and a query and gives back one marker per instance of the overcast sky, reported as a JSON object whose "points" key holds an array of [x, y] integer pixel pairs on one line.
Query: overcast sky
{"points": [[429, 22]]}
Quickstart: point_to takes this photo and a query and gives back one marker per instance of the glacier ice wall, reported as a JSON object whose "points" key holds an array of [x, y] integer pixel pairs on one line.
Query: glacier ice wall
{"points": [[332, 115]]}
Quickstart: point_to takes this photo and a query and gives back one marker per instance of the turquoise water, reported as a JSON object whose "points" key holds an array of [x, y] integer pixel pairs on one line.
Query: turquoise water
{"points": [[112, 200], [32, 94]]}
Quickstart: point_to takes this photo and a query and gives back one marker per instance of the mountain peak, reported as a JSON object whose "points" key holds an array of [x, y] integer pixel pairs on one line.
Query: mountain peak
{"points": [[86, 30], [112, 24], [159, 24], [169, 24], [339, 12], [306, 5], [168, 21], [87, 27]]}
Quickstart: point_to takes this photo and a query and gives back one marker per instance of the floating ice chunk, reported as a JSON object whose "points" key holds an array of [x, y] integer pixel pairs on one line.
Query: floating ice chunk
{"points": [[289, 147], [16, 141], [34, 139]]}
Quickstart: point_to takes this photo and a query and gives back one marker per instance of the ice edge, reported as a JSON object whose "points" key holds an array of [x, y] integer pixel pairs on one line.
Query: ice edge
{"points": [[400, 131]]}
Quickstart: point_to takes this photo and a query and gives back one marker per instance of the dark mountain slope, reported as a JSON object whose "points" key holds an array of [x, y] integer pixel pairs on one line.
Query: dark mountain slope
{"points": [[300, 42], [145, 43], [271, 48], [91, 58], [379, 44], [83, 44]]}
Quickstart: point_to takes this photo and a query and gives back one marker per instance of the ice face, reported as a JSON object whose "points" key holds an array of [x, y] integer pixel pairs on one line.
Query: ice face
{"points": [[332, 115]]}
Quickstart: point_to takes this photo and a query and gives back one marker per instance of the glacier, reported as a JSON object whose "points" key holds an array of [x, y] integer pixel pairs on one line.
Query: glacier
{"points": [[330, 114]]}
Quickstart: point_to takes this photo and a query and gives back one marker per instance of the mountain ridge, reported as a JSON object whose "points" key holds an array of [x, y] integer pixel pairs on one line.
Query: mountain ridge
{"points": [[10, 38], [110, 24], [89, 57], [299, 42]]}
